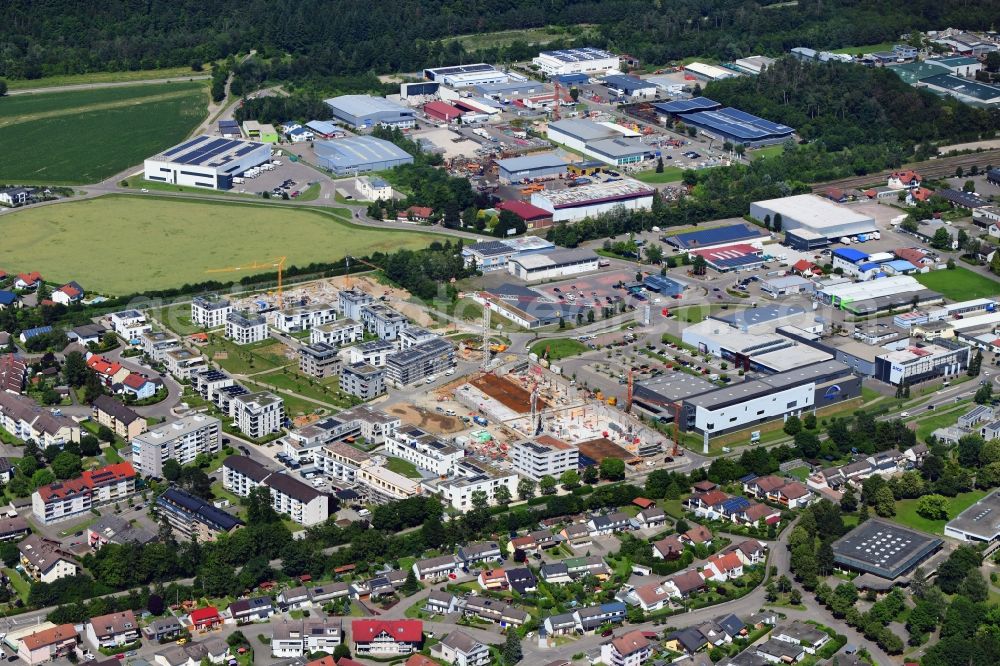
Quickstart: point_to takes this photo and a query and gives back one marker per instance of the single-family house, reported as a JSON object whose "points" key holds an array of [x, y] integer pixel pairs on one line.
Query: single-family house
{"points": [[294, 598], [652, 596], [593, 617], [632, 649], [696, 535], [243, 611], [113, 630], [163, 629], [687, 582], [610, 523], [28, 280], [138, 386], [493, 579], [478, 553], [669, 548], [722, 567], [593, 565], [204, 618], [810, 637], [460, 649], [48, 644], [436, 568], [560, 625], [652, 517], [750, 551], [387, 637], [522, 580], [780, 652], [686, 641], [69, 293], [440, 602], [555, 573]]}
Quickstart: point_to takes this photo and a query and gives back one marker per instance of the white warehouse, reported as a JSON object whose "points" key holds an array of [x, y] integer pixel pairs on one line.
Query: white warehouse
{"points": [[814, 213], [206, 161], [590, 200], [587, 60]]}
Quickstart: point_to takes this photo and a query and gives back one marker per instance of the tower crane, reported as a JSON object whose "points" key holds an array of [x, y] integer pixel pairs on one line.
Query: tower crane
{"points": [[277, 262], [347, 262]]}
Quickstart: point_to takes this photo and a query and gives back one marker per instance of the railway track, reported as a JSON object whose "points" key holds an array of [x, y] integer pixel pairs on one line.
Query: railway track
{"points": [[937, 168]]}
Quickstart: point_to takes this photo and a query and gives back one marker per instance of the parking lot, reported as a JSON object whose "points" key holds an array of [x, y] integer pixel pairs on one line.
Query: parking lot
{"points": [[596, 290], [290, 177]]}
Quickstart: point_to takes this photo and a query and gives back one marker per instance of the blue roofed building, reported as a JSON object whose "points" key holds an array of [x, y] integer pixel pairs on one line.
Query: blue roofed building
{"points": [[571, 79], [208, 162], [718, 237], [369, 111], [847, 259], [34, 332], [663, 285], [7, 299], [738, 126], [528, 167], [898, 267], [358, 154], [692, 105], [230, 129], [964, 90], [629, 86], [324, 129]]}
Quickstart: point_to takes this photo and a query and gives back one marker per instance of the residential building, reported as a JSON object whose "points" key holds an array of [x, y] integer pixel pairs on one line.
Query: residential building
{"points": [[302, 503], [652, 517], [593, 565], [555, 573], [13, 372], [386, 483], [120, 419], [522, 580], [810, 637], [113, 630], [374, 352], [294, 598], [194, 518], [163, 629], [210, 311], [362, 381], [213, 651], [183, 363], [257, 415], [387, 637], [320, 359], [296, 638], [460, 649], [544, 456], [48, 644], [426, 360], [25, 419], [577, 535], [610, 523], [722, 567], [383, 321], [45, 561], [244, 328], [109, 372], [14, 196], [244, 611], [341, 461], [493, 579], [422, 449], [156, 344], [780, 652], [69, 293], [337, 333], [481, 552], [129, 324], [492, 610], [590, 619], [351, 301], [13, 528], [62, 500], [436, 568], [207, 618], [181, 440], [632, 649], [686, 641], [469, 477], [304, 318], [373, 188]]}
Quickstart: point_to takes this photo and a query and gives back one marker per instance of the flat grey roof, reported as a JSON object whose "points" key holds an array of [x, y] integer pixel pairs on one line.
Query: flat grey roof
{"points": [[981, 520], [584, 130], [766, 385], [357, 150], [362, 105], [527, 162]]}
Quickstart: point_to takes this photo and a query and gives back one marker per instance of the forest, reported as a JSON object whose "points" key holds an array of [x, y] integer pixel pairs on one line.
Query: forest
{"points": [[315, 41]]}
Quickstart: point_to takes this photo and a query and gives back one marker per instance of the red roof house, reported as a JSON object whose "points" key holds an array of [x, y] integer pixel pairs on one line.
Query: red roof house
{"points": [[415, 214], [387, 636], [643, 503], [28, 280], [803, 266], [205, 618]]}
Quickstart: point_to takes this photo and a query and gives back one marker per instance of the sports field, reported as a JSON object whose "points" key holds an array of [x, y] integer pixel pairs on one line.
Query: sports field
{"points": [[129, 243], [85, 136], [960, 284]]}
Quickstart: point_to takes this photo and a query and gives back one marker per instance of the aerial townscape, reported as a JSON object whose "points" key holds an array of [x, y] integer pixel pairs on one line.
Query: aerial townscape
{"points": [[593, 332]]}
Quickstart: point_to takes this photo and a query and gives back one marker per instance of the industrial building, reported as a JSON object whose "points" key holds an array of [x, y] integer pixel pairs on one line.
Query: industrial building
{"points": [[461, 76], [883, 549], [611, 144], [629, 86], [358, 154], [533, 216], [753, 65], [922, 361], [587, 60], [787, 286], [755, 348], [814, 213], [707, 72], [735, 258], [557, 264], [526, 307], [493, 255], [678, 107], [439, 110], [530, 167], [881, 295], [707, 239], [964, 90], [662, 284], [980, 523], [726, 123], [361, 111], [206, 161], [590, 200]]}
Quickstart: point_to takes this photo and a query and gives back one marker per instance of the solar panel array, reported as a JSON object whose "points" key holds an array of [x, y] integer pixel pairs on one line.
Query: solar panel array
{"points": [[458, 69], [737, 124], [688, 105], [578, 55]]}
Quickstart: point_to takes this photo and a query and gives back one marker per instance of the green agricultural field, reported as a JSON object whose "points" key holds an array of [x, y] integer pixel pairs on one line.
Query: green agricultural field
{"points": [[128, 243], [960, 284], [906, 511], [86, 136], [670, 174], [104, 77], [559, 348]]}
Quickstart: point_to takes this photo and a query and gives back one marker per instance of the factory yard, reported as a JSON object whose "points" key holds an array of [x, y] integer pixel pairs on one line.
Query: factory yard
{"points": [[151, 243], [86, 136]]}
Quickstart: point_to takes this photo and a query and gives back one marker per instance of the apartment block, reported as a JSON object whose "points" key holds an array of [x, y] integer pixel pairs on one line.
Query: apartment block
{"points": [[181, 440], [362, 381], [302, 503], [350, 302], [320, 359], [244, 328], [338, 333], [192, 517], [63, 500], [423, 449], [545, 456], [303, 318], [383, 321], [257, 415], [210, 311], [420, 362]]}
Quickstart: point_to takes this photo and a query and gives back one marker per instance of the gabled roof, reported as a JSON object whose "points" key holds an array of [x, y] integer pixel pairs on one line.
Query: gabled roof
{"points": [[409, 631], [699, 534], [634, 641]]}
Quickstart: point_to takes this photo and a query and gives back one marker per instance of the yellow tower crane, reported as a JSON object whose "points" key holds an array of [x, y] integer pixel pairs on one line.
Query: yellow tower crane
{"points": [[277, 262]]}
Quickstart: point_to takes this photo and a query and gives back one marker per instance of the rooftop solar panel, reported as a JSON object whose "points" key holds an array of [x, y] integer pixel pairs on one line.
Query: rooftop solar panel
{"points": [[743, 116], [209, 154], [195, 155], [245, 150], [688, 105], [183, 146]]}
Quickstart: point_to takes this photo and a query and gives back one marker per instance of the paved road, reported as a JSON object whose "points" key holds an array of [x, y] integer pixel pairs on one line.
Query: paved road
{"points": [[107, 84]]}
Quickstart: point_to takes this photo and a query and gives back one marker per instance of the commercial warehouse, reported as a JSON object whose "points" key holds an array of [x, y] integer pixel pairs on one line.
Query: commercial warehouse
{"points": [[681, 106], [619, 151], [533, 216], [739, 257], [206, 161], [707, 239], [881, 295], [357, 154], [738, 127], [964, 90], [368, 111], [587, 60], [629, 86], [529, 167], [576, 134], [557, 264], [707, 72], [439, 110], [606, 142], [814, 213], [590, 200], [461, 76]]}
